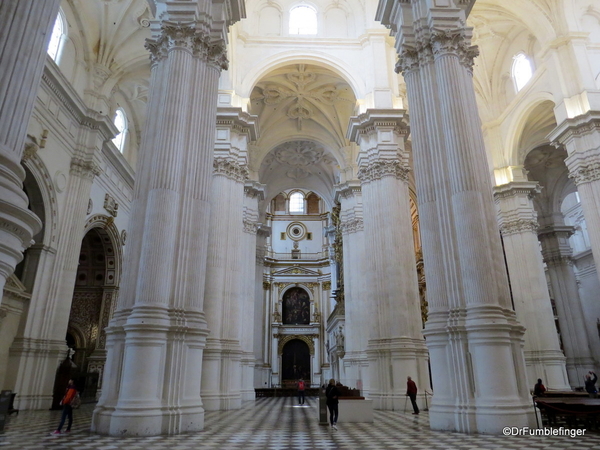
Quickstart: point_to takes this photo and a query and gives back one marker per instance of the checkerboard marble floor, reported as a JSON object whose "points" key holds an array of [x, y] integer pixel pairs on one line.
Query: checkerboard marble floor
{"points": [[276, 423]]}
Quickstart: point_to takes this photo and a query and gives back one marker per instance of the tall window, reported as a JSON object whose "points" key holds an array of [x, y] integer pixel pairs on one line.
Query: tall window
{"points": [[121, 124], [59, 33], [297, 203], [521, 70], [303, 20]]}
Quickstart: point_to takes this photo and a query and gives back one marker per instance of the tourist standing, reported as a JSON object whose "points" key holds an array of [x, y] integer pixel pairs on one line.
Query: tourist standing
{"points": [[332, 393], [66, 402], [411, 391]]}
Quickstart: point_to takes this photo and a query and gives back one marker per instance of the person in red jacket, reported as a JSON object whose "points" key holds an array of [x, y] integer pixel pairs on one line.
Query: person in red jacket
{"points": [[70, 394], [411, 392], [301, 388]]}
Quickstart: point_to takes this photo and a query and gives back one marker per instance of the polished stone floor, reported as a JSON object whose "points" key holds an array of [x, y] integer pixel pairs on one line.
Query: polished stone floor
{"points": [[276, 423]]}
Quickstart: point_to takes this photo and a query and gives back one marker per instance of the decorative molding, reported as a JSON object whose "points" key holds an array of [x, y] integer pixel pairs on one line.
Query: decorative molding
{"points": [[230, 169], [84, 169], [250, 226], [352, 225], [516, 226], [376, 170], [284, 339], [110, 205], [326, 285], [187, 36], [266, 286], [585, 173]]}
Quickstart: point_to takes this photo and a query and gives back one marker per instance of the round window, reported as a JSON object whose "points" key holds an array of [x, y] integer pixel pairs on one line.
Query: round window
{"points": [[296, 231]]}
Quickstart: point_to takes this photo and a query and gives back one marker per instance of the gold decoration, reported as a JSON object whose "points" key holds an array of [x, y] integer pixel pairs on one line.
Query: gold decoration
{"points": [[266, 285], [284, 339], [327, 285]]}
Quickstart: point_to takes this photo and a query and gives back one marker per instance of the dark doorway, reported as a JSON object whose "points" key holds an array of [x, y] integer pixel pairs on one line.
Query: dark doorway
{"points": [[295, 361]]}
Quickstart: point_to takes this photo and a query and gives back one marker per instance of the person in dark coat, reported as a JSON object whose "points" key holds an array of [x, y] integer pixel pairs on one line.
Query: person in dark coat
{"points": [[332, 393], [411, 392], [590, 384]]}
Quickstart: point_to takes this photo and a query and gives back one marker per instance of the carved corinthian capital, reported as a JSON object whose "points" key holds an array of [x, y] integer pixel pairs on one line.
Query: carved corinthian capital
{"points": [[586, 173], [454, 41], [187, 36], [378, 169], [230, 169], [84, 169]]}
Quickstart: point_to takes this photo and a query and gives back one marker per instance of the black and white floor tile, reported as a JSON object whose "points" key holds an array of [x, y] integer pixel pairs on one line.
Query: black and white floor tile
{"points": [[272, 424]]}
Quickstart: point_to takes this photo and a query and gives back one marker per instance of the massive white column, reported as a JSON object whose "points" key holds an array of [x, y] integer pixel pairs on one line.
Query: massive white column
{"points": [[26, 28], [156, 339], [395, 339], [518, 225], [474, 339], [254, 193], [557, 253], [227, 283], [356, 298], [581, 138]]}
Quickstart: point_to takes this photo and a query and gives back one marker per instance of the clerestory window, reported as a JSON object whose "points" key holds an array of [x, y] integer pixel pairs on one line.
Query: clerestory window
{"points": [[297, 203], [303, 20], [59, 34], [120, 122], [522, 70]]}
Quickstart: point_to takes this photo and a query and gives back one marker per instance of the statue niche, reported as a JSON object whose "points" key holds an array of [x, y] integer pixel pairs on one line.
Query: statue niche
{"points": [[296, 307]]}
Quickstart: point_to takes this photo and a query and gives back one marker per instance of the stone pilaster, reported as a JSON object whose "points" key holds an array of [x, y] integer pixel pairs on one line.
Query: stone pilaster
{"points": [[253, 312], [226, 285], [22, 58], [38, 350], [518, 224], [581, 138], [395, 338], [474, 339], [156, 338], [357, 321], [557, 254]]}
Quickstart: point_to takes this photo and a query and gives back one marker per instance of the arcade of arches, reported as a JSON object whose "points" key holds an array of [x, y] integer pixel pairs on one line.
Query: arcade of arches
{"points": [[198, 200]]}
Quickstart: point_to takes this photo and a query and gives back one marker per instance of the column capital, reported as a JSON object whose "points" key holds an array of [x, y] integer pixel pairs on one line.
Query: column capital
{"points": [[254, 189], [84, 169], [527, 189], [580, 136], [230, 169], [191, 37], [349, 189], [376, 170], [378, 121]]}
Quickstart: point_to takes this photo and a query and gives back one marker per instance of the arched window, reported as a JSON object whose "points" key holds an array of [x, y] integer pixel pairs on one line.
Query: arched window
{"points": [[59, 33], [303, 20], [521, 70], [297, 203], [121, 124]]}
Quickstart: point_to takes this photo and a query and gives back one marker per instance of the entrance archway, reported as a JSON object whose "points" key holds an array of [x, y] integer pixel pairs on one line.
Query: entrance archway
{"points": [[295, 361]]}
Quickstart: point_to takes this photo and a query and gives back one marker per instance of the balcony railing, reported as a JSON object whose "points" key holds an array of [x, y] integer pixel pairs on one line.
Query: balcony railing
{"points": [[298, 255]]}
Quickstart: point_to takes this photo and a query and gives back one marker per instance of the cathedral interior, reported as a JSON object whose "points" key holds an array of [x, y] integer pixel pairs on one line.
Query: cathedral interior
{"points": [[200, 200]]}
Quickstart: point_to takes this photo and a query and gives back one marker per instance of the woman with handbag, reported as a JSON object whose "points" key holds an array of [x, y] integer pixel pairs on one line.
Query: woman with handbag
{"points": [[68, 402]]}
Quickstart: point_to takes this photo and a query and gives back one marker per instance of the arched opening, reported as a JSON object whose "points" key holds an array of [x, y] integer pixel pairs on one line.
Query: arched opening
{"points": [[296, 307], [295, 362]]}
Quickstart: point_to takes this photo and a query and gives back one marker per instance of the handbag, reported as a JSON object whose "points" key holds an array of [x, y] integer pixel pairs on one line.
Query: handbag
{"points": [[76, 402]]}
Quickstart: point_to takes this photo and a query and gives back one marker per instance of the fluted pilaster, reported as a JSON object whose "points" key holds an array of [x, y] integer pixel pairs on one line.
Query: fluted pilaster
{"points": [[518, 224], [395, 338], [357, 319], [581, 138], [475, 342], [557, 254], [22, 58]]}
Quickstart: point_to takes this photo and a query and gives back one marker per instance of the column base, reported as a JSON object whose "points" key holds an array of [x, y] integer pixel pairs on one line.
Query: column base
{"points": [[37, 360], [391, 362], [152, 373], [222, 375]]}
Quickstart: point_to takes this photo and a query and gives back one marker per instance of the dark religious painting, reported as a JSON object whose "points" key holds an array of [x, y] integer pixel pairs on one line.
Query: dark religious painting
{"points": [[296, 307], [295, 361]]}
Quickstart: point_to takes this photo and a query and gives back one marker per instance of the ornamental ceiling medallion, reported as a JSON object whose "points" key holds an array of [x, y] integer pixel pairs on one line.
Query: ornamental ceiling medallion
{"points": [[305, 100], [298, 158]]}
